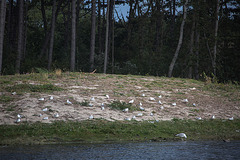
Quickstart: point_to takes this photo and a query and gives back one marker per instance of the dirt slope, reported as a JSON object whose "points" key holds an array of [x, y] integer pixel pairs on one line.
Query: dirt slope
{"points": [[204, 100]]}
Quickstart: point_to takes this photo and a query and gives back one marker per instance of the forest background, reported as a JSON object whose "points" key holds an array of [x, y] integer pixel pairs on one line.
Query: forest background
{"points": [[180, 38]]}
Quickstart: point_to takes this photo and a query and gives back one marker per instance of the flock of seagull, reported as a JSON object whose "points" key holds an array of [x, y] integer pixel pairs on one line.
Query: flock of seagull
{"points": [[68, 102]]}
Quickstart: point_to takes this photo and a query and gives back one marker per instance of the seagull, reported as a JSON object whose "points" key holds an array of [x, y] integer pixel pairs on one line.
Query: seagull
{"points": [[151, 114], [162, 107], [40, 115], [92, 99], [102, 104], [102, 108], [45, 109], [131, 101], [107, 96], [19, 116], [139, 114], [185, 101], [152, 99], [174, 104], [90, 104], [160, 96], [134, 117], [198, 118], [140, 104], [128, 119], [194, 104], [141, 108], [125, 110], [68, 102], [182, 135], [51, 98], [18, 120], [41, 99], [231, 119], [91, 117], [213, 117], [14, 93], [159, 102], [45, 118], [56, 115], [143, 95]]}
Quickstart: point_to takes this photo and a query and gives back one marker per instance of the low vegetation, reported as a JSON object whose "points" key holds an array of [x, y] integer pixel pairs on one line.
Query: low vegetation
{"points": [[106, 131]]}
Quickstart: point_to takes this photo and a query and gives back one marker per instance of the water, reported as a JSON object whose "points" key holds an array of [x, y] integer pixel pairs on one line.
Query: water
{"points": [[148, 150]]}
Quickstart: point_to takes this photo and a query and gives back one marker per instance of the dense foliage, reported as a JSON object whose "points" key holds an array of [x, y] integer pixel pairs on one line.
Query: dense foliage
{"points": [[145, 39]]}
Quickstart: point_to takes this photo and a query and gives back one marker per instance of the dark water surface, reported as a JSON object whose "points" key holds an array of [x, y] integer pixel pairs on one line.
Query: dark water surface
{"points": [[147, 150]]}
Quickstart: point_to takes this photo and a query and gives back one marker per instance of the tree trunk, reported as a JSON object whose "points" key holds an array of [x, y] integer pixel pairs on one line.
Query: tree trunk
{"points": [[93, 33], [99, 28], [197, 56], [106, 40], [73, 38], [113, 20], [190, 71], [20, 36], [2, 27], [44, 16], [180, 40], [52, 35], [215, 38]]}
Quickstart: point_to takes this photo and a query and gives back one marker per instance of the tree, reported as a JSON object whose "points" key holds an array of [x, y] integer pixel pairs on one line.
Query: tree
{"points": [[93, 31], [179, 41], [20, 36], [106, 40], [73, 38], [2, 26], [52, 35], [215, 38]]}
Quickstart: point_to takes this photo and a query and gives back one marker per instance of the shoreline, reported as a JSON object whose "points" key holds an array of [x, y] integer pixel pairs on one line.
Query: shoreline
{"points": [[102, 131]]}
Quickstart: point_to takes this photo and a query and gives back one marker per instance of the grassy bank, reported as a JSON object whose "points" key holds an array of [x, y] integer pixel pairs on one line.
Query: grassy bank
{"points": [[105, 131]]}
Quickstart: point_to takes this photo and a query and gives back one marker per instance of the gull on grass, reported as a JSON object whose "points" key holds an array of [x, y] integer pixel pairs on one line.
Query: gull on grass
{"points": [[182, 135]]}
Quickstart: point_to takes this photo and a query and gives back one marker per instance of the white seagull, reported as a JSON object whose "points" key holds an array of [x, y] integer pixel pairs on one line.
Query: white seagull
{"points": [[143, 95], [45, 109], [194, 104], [231, 119], [134, 117], [152, 99], [92, 99], [125, 110], [51, 98], [91, 117], [19, 116], [160, 96], [68, 102], [45, 118], [131, 101], [56, 115], [41, 99], [151, 114], [128, 119], [141, 108], [18, 120], [139, 114], [162, 107], [159, 102], [185, 101], [107, 96], [174, 104], [102, 108], [140, 104], [213, 117], [198, 118], [182, 135]]}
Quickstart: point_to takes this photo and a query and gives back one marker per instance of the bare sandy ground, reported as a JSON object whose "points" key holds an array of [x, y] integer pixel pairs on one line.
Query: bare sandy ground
{"points": [[200, 103]]}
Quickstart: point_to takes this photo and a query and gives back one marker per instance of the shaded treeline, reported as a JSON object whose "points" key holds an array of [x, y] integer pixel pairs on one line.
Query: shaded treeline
{"points": [[188, 38]]}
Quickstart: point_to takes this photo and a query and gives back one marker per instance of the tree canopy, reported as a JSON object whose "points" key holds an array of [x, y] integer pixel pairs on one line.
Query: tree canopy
{"points": [[38, 34]]}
